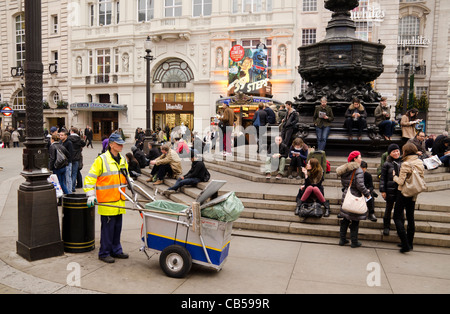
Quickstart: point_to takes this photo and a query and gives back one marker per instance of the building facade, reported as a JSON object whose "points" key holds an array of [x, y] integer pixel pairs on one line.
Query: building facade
{"points": [[55, 58], [102, 72]]}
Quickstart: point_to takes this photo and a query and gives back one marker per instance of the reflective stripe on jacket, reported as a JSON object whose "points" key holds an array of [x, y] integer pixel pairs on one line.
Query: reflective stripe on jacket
{"points": [[104, 179]]}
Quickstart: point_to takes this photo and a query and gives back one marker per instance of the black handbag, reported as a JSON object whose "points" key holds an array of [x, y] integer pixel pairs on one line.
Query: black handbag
{"points": [[311, 210]]}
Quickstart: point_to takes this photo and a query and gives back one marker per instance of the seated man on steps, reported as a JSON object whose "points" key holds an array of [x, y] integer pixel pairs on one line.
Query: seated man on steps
{"points": [[168, 163], [197, 174]]}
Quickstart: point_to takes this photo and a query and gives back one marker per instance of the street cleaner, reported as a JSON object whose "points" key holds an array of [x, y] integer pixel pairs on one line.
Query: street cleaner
{"points": [[108, 172]]}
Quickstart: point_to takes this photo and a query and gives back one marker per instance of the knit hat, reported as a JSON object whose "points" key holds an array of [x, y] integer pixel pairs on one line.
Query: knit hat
{"points": [[392, 147], [353, 155]]}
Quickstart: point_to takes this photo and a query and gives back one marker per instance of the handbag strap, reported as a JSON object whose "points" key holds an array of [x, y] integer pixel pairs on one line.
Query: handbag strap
{"points": [[351, 180]]}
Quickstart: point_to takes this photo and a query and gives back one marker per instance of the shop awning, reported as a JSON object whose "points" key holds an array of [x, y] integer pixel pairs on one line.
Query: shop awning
{"points": [[92, 106]]}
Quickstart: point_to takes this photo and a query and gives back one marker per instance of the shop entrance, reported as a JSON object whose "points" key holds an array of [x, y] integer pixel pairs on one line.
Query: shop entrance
{"points": [[104, 123]]}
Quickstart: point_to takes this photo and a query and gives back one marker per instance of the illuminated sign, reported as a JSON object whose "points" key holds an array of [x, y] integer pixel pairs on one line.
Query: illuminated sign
{"points": [[247, 69]]}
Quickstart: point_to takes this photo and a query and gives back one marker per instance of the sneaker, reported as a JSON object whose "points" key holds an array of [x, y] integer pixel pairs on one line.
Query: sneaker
{"points": [[298, 177], [278, 177], [290, 177], [268, 176], [159, 182], [107, 259], [167, 193]]}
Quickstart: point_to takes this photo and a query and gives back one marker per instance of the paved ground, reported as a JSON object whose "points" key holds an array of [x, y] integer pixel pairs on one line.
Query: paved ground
{"points": [[254, 266]]}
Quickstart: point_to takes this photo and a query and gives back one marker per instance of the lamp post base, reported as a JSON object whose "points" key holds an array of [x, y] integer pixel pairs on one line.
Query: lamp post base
{"points": [[39, 231]]}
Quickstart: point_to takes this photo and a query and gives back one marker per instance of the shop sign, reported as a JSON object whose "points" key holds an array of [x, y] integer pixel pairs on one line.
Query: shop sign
{"points": [[7, 111], [413, 41], [174, 107], [371, 13], [248, 71]]}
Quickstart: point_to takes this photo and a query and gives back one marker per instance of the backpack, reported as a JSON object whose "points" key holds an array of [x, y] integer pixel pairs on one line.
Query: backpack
{"points": [[61, 159], [257, 122]]}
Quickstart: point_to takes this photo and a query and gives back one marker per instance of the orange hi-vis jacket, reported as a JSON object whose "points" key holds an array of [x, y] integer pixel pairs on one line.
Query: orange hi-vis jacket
{"points": [[104, 179]]}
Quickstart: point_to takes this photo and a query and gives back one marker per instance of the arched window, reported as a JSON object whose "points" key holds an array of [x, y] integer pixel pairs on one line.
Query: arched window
{"points": [[19, 101], [173, 73]]}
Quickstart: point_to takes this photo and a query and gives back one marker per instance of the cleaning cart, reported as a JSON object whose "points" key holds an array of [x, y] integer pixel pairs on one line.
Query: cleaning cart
{"points": [[182, 236]]}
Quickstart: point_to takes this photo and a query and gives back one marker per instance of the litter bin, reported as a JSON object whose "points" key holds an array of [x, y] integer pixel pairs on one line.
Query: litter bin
{"points": [[78, 224]]}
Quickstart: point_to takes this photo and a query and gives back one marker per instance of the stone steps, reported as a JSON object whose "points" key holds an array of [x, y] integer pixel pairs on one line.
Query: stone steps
{"points": [[437, 180], [272, 215]]}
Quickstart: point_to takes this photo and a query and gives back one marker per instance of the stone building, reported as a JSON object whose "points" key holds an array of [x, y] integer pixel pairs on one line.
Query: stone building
{"points": [[54, 58]]}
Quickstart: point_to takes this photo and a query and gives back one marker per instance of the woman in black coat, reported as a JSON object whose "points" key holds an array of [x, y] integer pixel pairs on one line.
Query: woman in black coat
{"points": [[357, 188], [388, 187]]}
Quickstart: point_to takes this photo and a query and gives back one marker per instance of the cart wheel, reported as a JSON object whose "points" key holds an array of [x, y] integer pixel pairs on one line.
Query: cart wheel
{"points": [[175, 261]]}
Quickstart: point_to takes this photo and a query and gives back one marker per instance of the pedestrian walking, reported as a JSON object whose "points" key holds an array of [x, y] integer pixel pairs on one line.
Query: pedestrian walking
{"points": [[89, 135], [15, 137], [323, 116], [107, 173], [226, 124], [405, 201], [6, 138], [351, 172], [388, 187]]}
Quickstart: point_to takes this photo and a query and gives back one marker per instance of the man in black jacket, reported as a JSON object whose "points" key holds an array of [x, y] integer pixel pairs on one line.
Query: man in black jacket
{"points": [[77, 158], [198, 173], [289, 124]]}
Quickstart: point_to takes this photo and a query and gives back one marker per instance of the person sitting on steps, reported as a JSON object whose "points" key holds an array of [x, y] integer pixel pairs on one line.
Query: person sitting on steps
{"points": [[313, 186]]}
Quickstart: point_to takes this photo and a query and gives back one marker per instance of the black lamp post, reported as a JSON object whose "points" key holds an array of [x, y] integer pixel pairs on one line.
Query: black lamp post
{"points": [[407, 59], [149, 110], [39, 234]]}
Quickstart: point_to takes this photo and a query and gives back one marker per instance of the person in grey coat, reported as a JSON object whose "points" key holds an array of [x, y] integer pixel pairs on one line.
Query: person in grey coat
{"points": [[358, 188]]}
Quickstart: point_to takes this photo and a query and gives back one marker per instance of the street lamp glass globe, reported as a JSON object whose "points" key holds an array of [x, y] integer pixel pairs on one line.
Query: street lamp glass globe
{"points": [[148, 44]]}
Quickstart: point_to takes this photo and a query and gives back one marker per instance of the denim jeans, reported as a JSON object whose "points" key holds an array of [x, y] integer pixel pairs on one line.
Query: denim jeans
{"points": [[74, 175], [61, 174], [445, 159], [322, 136], [183, 182], [69, 177], [387, 127]]}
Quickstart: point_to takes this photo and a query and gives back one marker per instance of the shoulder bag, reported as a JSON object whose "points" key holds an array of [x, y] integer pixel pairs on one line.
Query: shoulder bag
{"points": [[414, 184], [354, 204]]}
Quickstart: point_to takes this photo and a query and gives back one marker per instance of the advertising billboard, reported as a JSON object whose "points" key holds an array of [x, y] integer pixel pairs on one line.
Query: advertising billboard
{"points": [[247, 69]]}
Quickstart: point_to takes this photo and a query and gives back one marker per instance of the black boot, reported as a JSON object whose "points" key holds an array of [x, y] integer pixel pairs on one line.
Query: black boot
{"points": [[326, 205], [297, 209], [410, 237], [354, 228], [404, 246], [386, 224], [343, 232]]}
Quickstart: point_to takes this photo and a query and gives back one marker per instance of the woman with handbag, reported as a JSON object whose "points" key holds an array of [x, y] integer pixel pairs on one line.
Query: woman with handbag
{"points": [[410, 183], [354, 197]]}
